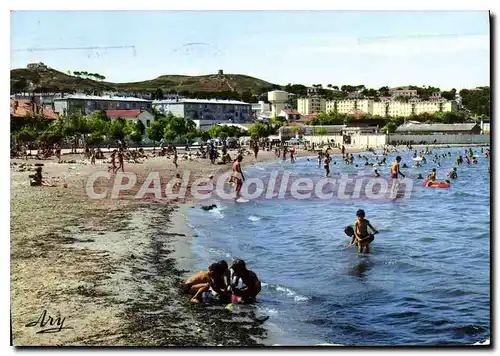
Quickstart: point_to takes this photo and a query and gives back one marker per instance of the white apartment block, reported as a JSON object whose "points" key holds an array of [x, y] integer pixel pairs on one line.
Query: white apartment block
{"points": [[365, 106], [391, 108], [381, 108], [312, 105], [345, 106], [399, 109], [434, 106]]}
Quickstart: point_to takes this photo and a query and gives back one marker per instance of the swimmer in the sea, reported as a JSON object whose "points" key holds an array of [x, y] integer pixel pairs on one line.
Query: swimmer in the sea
{"points": [[453, 173]]}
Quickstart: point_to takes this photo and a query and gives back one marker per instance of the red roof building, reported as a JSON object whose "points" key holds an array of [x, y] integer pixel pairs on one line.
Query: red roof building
{"points": [[25, 108]]}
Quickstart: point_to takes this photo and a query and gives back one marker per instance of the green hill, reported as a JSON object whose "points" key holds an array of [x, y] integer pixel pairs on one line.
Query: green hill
{"points": [[50, 80]]}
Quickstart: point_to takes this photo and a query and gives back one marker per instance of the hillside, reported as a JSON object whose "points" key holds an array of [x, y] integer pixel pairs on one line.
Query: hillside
{"points": [[51, 80]]}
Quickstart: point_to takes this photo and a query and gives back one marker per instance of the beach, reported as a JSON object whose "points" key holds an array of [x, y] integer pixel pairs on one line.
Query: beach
{"points": [[87, 261]]}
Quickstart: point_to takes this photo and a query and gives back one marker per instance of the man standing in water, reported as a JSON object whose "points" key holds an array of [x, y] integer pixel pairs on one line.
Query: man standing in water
{"points": [[395, 168], [394, 175], [237, 176], [327, 164]]}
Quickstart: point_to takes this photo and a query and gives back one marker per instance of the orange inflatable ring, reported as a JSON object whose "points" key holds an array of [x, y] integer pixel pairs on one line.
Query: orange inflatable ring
{"points": [[436, 184]]}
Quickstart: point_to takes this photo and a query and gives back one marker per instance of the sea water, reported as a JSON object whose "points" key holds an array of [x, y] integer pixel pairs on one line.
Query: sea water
{"points": [[426, 282]]}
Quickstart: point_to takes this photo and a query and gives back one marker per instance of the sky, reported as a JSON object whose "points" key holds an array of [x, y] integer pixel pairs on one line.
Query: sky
{"points": [[447, 49]]}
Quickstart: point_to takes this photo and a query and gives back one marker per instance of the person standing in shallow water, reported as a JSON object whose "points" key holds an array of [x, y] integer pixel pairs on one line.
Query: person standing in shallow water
{"points": [[237, 176], [327, 165], [395, 168]]}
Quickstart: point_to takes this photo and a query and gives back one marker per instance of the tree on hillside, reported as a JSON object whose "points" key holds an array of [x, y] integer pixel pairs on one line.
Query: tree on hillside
{"points": [[477, 101], [449, 95], [348, 88], [369, 93], [297, 89], [384, 91]]}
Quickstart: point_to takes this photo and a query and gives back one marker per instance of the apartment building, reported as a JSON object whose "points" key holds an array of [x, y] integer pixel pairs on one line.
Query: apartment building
{"points": [[396, 108], [87, 104], [311, 105], [206, 113], [345, 106], [391, 108], [381, 108]]}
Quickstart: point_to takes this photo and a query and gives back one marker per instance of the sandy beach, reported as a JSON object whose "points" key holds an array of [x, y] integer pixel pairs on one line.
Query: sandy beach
{"points": [[109, 269]]}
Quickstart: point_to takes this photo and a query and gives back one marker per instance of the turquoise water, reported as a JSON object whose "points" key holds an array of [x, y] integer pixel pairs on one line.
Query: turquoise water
{"points": [[426, 282]]}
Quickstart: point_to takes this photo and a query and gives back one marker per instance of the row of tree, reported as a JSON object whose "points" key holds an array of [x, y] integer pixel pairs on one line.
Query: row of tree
{"points": [[88, 75], [97, 129], [246, 96]]}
